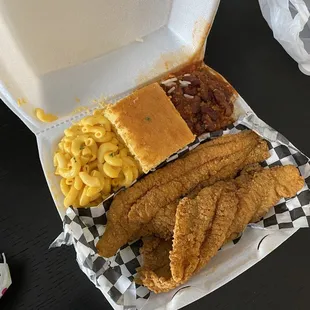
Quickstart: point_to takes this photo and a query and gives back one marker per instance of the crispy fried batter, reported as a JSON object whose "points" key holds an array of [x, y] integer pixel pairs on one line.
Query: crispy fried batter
{"points": [[155, 253], [162, 224], [194, 217], [199, 233], [214, 206], [216, 236], [216, 160], [154, 281], [221, 165], [259, 191], [286, 182]]}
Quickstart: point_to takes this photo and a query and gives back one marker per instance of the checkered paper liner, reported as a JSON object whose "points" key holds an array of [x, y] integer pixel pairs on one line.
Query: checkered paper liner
{"points": [[114, 276]]}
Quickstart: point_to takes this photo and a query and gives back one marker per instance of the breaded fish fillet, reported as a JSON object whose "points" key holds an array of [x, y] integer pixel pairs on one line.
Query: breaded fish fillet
{"points": [[286, 182], [155, 253], [219, 159], [155, 271], [215, 204], [162, 224], [196, 222], [259, 191], [218, 212]]}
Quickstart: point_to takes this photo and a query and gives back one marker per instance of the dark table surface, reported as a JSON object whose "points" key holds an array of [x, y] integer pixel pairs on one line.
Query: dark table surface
{"points": [[241, 47]]}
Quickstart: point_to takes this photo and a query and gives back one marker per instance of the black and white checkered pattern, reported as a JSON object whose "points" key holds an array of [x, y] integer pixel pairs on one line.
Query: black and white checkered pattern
{"points": [[83, 227]]}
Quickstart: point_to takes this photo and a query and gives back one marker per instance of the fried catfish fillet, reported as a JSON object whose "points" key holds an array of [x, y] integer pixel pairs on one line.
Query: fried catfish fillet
{"points": [[259, 191], [132, 210], [217, 213], [214, 206]]}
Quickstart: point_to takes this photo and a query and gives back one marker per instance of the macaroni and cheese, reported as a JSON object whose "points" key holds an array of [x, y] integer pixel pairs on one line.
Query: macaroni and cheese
{"points": [[93, 162], [45, 117]]}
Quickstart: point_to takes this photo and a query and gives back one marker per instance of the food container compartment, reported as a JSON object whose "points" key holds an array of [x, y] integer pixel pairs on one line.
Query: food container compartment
{"points": [[47, 144], [61, 56]]}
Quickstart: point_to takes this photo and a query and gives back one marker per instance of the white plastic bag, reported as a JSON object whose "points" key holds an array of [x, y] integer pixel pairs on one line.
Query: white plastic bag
{"points": [[290, 23], [5, 277]]}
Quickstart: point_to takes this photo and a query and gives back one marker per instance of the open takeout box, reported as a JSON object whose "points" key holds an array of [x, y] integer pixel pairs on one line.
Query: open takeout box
{"points": [[63, 56], [60, 56]]}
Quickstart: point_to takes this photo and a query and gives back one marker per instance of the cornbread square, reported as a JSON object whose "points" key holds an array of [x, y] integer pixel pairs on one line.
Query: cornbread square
{"points": [[150, 125]]}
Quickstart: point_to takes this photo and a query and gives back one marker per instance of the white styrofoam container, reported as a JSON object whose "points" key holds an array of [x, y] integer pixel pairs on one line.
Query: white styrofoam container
{"points": [[59, 55]]}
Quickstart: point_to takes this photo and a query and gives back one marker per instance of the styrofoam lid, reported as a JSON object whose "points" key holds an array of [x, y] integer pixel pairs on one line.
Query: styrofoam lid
{"points": [[59, 55]]}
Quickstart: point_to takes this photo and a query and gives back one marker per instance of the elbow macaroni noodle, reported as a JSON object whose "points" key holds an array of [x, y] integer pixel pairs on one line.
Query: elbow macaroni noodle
{"points": [[45, 117], [93, 162]]}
